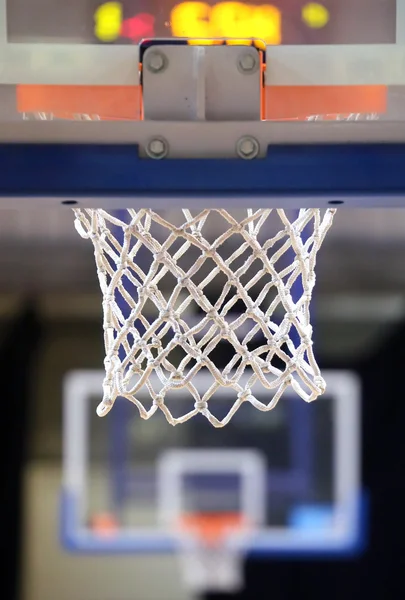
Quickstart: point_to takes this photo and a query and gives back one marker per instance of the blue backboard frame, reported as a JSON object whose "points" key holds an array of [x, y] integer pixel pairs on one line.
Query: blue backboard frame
{"points": [[350, 512]]}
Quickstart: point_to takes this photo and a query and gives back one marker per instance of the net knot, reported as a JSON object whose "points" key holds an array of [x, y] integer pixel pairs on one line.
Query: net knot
{"points": [[135, 369], [225, 332], [160, 256], [159, 400], [154, 342], [176, 376], [201, 405], [180, 338], [245, 395], [320, 384], [166, 314], [108, 363], [141, 344], [244, 352], [208, 253], [288, 379], [142, 291], [121, 264]]}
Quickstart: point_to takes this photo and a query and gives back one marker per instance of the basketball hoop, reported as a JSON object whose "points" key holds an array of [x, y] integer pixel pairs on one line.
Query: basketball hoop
{"points": [[150, 331], [211, 543], [212, 528], [206, 561], [150, 325]]}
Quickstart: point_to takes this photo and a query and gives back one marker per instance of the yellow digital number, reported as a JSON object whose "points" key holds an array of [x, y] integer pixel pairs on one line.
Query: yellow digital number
{"points": [[108, 21], [191, 19], [266, 24], [231, 19], [235, 20]]}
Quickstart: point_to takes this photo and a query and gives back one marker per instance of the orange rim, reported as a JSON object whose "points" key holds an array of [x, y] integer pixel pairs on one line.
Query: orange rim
{"points": [[125, 102], [65, 101], [300, 102], [104, 524], [211, 528]]}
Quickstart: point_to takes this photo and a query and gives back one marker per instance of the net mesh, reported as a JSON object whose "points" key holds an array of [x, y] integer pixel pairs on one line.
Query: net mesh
{"points": [[61, 116], [344, 117], [67, 116], [162, 318]]}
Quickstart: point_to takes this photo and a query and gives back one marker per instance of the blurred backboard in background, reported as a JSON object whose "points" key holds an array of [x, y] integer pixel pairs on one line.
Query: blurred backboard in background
{"points": [[292, 475]]}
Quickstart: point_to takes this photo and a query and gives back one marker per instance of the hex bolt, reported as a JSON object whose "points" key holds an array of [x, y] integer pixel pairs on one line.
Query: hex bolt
{"points": [[248, 63], [247, 147], [157, 148], [156, 61]]}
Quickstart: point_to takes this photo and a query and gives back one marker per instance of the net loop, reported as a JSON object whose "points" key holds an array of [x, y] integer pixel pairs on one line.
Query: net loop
{"points": [[161, 319]]}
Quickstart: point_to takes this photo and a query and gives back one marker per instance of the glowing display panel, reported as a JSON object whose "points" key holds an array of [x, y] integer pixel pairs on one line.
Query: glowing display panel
{"points": [[275, 21]]}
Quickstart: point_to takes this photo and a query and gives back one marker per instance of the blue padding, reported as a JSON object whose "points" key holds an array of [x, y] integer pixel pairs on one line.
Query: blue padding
{"points": [[63, 170], [308, 517], [76, 537]]}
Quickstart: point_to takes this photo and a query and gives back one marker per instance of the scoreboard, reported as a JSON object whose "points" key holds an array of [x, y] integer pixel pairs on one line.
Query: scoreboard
{"points": [[292, 22], [274, 22]]}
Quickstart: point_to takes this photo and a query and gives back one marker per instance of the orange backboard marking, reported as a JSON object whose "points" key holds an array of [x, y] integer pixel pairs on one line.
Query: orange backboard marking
{"points": [[109, 102], [298, 102], [211, 528], [125, 102]]}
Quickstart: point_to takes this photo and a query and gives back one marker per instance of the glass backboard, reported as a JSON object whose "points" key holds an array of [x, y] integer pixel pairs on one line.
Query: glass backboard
{"points": [[293, 473], [331, 74], [335, 59]]}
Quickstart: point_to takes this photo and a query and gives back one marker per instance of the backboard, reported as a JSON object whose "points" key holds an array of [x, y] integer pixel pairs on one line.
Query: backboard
{"points": [[326, 53], [292, 474], [78, 98]]}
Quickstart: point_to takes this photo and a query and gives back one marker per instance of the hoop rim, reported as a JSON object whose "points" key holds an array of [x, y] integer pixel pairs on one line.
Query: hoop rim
{"points": [[211, 528], [125, 102]]}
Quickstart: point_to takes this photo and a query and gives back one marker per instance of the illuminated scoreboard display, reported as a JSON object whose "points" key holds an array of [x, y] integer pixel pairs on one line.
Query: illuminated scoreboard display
{"points": [[282, 21], [275, 22]]}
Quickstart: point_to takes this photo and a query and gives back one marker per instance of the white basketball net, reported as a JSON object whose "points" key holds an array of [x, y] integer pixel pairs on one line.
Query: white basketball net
{"points": [[43, 116], [345, 117], [151, 331]]}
